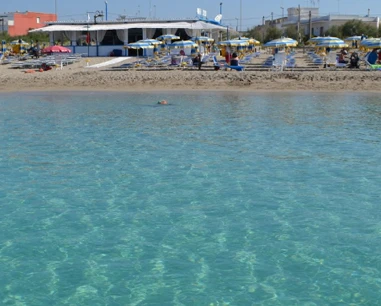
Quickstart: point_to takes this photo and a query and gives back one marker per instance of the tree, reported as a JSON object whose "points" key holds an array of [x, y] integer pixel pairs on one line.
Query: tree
{"points": [[291, 32], [256, 32], [333, 31], [358, 27], [272, 33]]}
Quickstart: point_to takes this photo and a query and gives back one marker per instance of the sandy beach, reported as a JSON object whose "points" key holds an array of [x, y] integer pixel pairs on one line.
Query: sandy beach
{"points": [[77, 76]]}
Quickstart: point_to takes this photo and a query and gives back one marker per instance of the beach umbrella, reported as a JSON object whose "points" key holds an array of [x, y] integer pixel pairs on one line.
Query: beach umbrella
{"points": [[168, 37], [281, 42], [371, 43], [352, 38], [321, 39], [202, 39], [139, 45], [233, 43], [183, 44], [251, 41], [150, 41], [19, 42], [55, 49], [332, 44]]}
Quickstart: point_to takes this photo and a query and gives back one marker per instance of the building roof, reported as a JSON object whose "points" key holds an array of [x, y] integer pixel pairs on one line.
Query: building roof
{"points": [[83, 26]]}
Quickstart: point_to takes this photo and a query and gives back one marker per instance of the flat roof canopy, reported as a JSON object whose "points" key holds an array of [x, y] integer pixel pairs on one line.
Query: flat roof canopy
{"points": [[194, 25]]}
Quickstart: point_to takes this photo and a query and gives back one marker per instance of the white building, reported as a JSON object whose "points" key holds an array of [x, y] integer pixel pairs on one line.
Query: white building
{"points": [[101, 38], [320, 24]]}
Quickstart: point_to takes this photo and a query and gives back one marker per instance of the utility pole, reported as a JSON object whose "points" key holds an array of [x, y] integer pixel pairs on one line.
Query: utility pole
{"points": [[310, 16], [282, 8], [263, 29], [272, 18], [298, 22], [240, 15]]}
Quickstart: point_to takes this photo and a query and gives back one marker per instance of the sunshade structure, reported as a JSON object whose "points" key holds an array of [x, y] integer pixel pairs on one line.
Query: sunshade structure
{"points": [[371, 43], [139, 45], [168, 37], [322, 39], [150, 41], [234, 43], [19, 42], [352, 38], [332, 44], [281, 43], [183, 44], [251, 41], [55, 49], [205, 39]]}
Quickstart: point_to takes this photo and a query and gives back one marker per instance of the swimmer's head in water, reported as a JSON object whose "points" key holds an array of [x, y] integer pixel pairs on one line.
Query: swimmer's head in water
{"points": [[162, 102]]}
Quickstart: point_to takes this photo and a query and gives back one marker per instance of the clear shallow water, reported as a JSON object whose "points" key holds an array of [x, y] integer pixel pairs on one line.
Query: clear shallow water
{"points": [[218, 199]]}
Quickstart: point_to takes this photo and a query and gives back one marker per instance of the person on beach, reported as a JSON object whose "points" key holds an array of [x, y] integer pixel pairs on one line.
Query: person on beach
{"points": [[197, 61], [234, 60], [342, 55]]}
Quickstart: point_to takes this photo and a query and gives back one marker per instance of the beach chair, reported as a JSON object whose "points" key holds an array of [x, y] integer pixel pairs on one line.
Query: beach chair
{"points": [[331, 60], [237, 68], [279, 61], [369, 66], [290, 63]]}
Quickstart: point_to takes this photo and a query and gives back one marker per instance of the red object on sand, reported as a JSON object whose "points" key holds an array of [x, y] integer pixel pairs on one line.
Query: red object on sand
{"points": [[56, 49]]}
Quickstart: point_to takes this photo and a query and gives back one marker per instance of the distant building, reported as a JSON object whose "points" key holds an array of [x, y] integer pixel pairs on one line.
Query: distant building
{"points": [[20, 23], [319, 24], [101, 38]]}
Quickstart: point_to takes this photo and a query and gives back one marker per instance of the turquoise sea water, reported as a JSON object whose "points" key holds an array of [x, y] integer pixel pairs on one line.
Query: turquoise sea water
{"points": [[217, 199]]}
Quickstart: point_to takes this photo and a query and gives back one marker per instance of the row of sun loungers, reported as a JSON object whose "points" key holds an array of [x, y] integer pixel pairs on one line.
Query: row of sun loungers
{"points": [[55, 60]]}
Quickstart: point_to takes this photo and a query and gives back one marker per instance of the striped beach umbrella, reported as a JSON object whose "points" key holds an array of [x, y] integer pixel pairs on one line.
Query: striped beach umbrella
{"points": [[202, 39], [234, 43], [371, 43], [322, 39], [139, 45], [183, 44], [281, 42], [332, 44], [352, 38], [150, 41], [168, 37]]}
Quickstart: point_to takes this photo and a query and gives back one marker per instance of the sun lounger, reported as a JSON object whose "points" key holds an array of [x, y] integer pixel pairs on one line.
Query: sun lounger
{"points": [[238, 68]]}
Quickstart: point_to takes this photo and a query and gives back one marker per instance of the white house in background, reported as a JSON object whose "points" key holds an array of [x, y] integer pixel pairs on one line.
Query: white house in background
{"points": [[102, 38], [320, 24]]}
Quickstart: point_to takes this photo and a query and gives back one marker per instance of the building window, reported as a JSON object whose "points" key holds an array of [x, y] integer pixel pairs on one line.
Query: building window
{"points": [[38, 19]]}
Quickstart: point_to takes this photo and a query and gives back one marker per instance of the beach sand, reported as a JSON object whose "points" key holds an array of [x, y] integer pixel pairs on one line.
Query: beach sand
{"points": [[77, 77]]}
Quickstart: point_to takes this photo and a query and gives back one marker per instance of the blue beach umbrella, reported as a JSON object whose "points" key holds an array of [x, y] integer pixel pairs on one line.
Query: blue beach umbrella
{"points": [[321, 39], [352, 38], [202, 39], [281, 42], [371, 43], [183, 44], [234, 43], [150, 41], [168, 37], [332, 44]]}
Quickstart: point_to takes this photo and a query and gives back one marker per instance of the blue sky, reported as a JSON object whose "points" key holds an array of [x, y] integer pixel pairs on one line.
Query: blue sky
{"points": [[252, 10]]}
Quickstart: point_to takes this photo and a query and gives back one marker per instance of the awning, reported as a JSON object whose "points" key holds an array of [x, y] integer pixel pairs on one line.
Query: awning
{"points": [[194, 25]]}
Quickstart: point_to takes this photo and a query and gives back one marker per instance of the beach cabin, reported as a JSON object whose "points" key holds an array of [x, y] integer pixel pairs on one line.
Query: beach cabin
{"points": [[111, 37]]}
